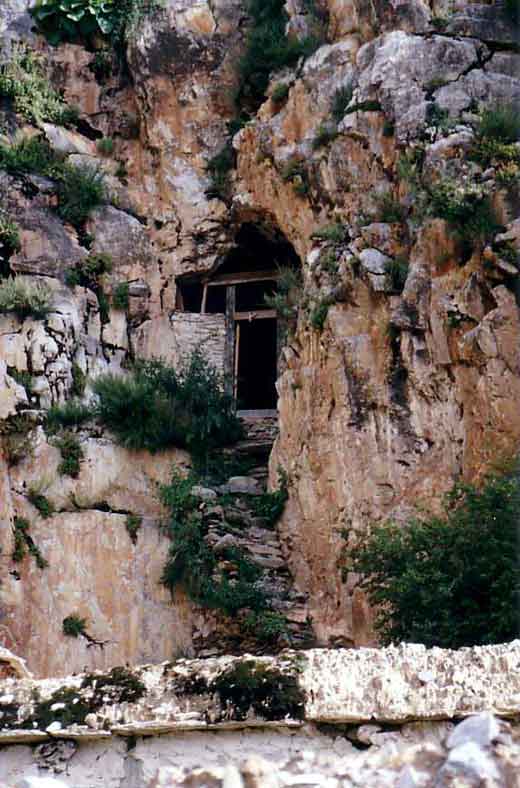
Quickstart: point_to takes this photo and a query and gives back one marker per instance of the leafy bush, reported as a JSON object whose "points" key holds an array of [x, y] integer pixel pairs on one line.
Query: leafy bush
{"points": [[23, 80], [71, 414], [326, 134], [24, 543], [71, 455], [74, 626], [155, 407], [340, 101], [280, 93], [89, 270], [73, 20], [120, 299], [40, 502], [24, 299], [288, 293], [319, 313], [397, 271], [267, 50], [270, 505], [269, 692], [80, 190], [449, 581], [267, 626], [29, 154], [105, 146], [501, 124], [336, 233], [466, 208], [133, 524]]}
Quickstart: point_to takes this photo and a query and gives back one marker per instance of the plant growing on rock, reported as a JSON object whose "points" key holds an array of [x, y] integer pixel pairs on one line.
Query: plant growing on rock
{"points": [[397, 271], [340, 101], [453, 580], [24, 299], [270, 505], [73, 626], [71, 455], [133, 524], [24, 543], [280, 93], [9, 236], [336, 233], [80, 190], [40, 502], [288, 293], [325, 134], [121, 296], [71, 414], [466, 207]]}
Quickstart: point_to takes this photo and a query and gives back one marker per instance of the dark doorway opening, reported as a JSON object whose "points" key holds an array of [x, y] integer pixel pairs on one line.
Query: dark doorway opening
{"points": [[256, 364]]}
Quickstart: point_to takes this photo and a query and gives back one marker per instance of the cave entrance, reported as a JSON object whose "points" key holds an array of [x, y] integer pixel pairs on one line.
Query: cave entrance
{"points": [[239, 290]]}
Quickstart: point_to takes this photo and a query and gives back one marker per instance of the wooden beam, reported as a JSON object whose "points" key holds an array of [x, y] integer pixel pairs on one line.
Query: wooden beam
{"points": [[248, 276], [230, 342], [261, 314], [204, 299], [237, 352]]}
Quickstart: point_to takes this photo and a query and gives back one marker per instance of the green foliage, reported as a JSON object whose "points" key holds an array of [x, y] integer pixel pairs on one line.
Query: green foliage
{"points": [[72, 414], [88, 273], [449, 581], [267, 50], [102, 65], [79, 381], [390, 209], [24, 299], [466, 207], [16, 438], [500, 123], [71, 455], [219, 168], [288, 293], [280, 93], [270, 505], [23, 81], [326, 134], [105, 146], [267, 626], [9, 235], [133, 524], [156, 407], [82, 20], [340, 101], [271, 693], [296, 172], [29, 154], [22, 377], [397, 271], [24, 543], [364, 106], [40, 502], [121, 296], [80, 190], [74, 626], [319, 313], [336, 233]]}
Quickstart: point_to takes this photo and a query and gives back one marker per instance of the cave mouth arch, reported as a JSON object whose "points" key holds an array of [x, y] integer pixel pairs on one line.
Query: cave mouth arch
{"points": [[237, 288]]}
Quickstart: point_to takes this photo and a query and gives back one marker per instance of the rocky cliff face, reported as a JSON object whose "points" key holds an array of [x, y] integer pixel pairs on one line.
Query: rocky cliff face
{"points": [[403, 371]]}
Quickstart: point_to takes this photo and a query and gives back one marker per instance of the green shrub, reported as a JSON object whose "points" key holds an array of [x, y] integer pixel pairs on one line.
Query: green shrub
{"points": [[121, 296], [79, 381], [270, 693], [80, 190], [319, 313], [9, 236], [83, 20], [296, 172], [397, 271], [73, 626], [105, 146], [340, 101], [24, 543], [336, 233], [133, 524], [88, 271], [71, 414], [40, 502], [23, 80], [23, 377], [280, 92], [270, 505], [466, 208], [390, 209], [267, 50], [364, 106], [24, 299], [501, 124], [29, 154], [155, 407], [326, 134], [449, 581], [288, 293], [71, 455], [219, 168], [267, 626]]}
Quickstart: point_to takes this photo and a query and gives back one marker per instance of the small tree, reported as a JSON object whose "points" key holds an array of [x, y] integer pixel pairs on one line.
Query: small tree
{"points": [[453, 580]]}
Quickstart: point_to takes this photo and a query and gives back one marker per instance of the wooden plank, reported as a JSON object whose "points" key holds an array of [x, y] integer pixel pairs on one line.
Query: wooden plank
{"points": [[237, 351], [204, 299], [247, 276], [260, 314], [230, 341]]}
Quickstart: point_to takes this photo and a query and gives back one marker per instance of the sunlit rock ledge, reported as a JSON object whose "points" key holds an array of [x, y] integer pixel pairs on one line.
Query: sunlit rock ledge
{"points": [[392, 685]]}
